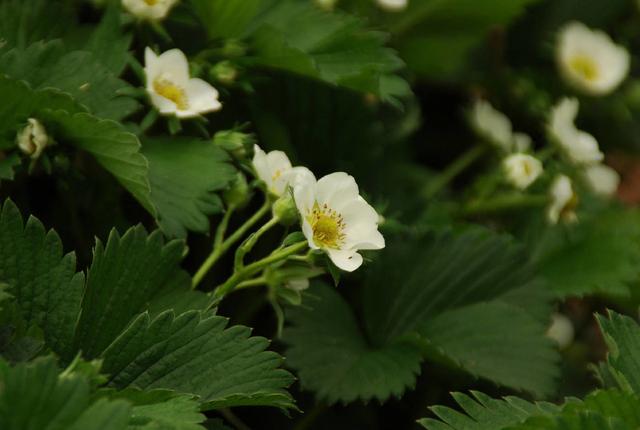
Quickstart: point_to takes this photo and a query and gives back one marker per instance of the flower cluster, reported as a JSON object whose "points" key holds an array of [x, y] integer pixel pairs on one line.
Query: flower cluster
{"points": [[334, 217]]}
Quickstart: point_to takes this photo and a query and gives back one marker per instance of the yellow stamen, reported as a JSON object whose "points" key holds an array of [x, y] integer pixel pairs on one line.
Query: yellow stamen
{"points": [[327, 225], [169, 90], [585, 66]]}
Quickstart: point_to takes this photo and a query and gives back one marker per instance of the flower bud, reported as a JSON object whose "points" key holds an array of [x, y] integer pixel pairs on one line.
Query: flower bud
{"points": [[238, 195], [33, 139], [285, 209], [224, 72], [236, 143], [234, 48]]}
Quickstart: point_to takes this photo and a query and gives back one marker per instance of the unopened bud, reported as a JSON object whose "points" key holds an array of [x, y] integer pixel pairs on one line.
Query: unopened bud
{"points": [[224, 72], [285, 209], [236, 143], [238, 195], [33, 139]]}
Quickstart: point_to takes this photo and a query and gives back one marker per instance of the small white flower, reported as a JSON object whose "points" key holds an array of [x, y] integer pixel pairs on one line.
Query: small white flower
{"points": [[393, 5], [149, 9], [522, 169], [589, 60], [32, 139], [603, 180], [276, 171], [492, 125], [579, 146], [337, 220], [563, 201], [561, 330], [171, 89]]}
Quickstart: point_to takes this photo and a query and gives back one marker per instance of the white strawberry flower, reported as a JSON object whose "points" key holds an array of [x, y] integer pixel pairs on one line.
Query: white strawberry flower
{"points": [[522, 170], [393, 5], [152, 10], [492, 125], [602, 179], [561, 330], [274, 168], [564, 201], [33, 138], [589, 60], [337, 220], [171, 88], [579, 146]]}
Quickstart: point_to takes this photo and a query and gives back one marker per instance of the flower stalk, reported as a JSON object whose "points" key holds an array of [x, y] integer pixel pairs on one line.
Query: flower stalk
{"points": [[453, 170], [505, 203]]}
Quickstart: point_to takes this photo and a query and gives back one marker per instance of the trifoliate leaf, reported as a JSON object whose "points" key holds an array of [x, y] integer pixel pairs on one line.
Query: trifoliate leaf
{"points": [[194, 353], [185, 175], [79, 73], [124, 279], [35, 396], [335, 360], [40, 277], [601, 254], [622, 335], [160, 409], [115, 149], [20, 102]]}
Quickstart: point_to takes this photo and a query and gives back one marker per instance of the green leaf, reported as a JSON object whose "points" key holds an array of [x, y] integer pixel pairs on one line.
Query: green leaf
{"points": [[622, 335], [124, 279], [435, 37], [333, 357], [35, 396], [115, 149], [161, 409], [601, 254], [79, 73], [185, 175], [194, 353], [226, 18], [7, 165], [109, 44], [20, 103], [41, 278]]}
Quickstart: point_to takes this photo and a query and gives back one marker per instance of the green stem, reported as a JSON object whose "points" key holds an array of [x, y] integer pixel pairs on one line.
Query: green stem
{"points": [[219, 251], [252, 269], [505, 203], [256, 282], [453, 170], [250, 242]]}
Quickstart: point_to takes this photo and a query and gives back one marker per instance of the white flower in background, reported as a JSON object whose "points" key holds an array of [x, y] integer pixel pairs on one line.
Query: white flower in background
{"points": [[522, 169], [563, 201], [579, 146], [521, 142], [32, 139], [561, 330], [336, 219], [326, 4], [393, 5], [492, 125], [276, 171], [603, 180], [589, 60], [149, 9], [171, 89]]}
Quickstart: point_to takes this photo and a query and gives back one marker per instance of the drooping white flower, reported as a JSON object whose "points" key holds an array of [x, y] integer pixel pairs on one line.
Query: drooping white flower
{"points": [[276, 171], [579, 146], [337, 220], [152, 10], [492, 125], [563, 201], [602, 179], [589, 60], [33, 138], [393, 5], [561, 330], [522, 170], [171, 89]]}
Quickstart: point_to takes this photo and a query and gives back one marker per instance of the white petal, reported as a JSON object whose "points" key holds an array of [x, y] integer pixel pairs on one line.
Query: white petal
{"points": [[174, 64], [336, 189], [603, 180], [304, 193], [308, 233], [345, 260], [202, 96]]}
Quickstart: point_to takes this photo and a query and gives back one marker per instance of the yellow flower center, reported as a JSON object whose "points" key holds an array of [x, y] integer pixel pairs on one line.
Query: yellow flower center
{"points": [[152, 2], [169, 90], [327, 225], [585, 66]]}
